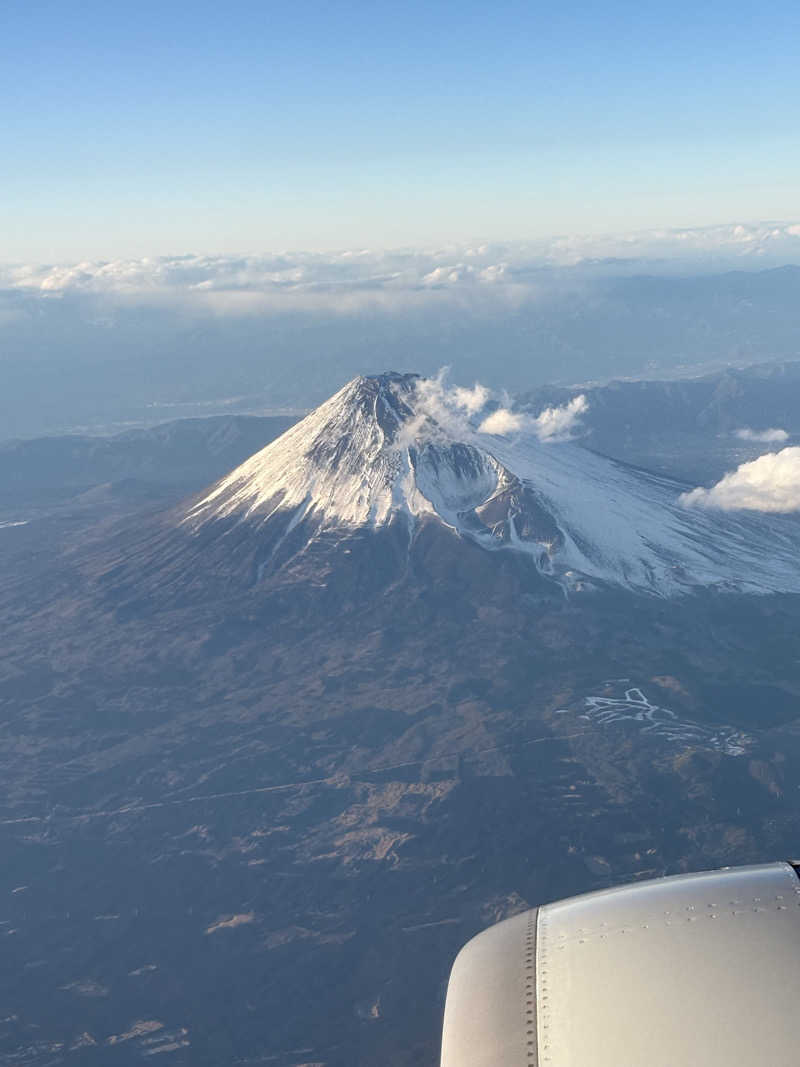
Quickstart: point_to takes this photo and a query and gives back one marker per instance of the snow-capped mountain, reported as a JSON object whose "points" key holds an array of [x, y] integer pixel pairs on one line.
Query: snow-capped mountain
{"points": [[391, 449]]}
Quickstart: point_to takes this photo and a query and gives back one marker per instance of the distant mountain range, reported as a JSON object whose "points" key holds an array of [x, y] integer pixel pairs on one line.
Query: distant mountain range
{"points": [[82, 356], [185, 452], [685, 427]]}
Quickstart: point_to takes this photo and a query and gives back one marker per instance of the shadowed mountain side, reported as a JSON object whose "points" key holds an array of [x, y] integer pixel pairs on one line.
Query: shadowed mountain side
{"points": [[165, 566], [192, 452], [324, 783]]}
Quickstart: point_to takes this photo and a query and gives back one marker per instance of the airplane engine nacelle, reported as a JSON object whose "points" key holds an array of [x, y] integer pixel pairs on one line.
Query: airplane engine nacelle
{"points": [[699, 970]]}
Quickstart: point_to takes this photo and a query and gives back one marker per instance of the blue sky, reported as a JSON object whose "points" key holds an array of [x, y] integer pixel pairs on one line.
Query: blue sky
{"points": [[161, 128]]}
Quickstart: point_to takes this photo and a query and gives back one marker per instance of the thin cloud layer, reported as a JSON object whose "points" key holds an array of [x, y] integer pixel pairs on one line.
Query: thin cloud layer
{"points": [[771, 437], [234, 284], [770, 483]]}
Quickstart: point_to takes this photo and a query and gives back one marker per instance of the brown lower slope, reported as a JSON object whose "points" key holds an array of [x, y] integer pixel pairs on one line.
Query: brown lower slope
{"points": [[252, 822]]}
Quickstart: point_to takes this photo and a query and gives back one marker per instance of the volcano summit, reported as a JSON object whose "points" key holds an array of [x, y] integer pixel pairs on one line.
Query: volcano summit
{"points": [[399, 449]]}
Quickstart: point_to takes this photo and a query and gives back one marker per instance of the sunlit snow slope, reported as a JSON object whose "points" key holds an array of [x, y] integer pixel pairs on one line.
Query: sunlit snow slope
{"points": [[387, 448]]}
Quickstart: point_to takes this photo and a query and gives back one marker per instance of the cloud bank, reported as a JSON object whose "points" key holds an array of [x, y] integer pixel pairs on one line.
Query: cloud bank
{"points": [[770, 437], [244, 284], [770, 483]]}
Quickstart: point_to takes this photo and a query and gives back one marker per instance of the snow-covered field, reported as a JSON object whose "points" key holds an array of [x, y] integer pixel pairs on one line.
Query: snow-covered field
{"points": [[633, 707]]}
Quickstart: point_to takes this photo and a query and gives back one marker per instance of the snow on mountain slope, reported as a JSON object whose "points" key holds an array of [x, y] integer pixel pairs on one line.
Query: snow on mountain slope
{"points": [[394, 448]]}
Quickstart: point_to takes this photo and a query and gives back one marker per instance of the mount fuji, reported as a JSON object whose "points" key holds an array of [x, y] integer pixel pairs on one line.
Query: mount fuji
{"points": [[393, 678], [399, 452]]}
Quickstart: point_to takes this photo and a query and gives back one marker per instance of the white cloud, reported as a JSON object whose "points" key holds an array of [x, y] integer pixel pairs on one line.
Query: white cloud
{"points": [[553, 424], [769, 483], [446, 406], [455, 409], [471, 400], [770, 437], [502, 421], [558, 423]]}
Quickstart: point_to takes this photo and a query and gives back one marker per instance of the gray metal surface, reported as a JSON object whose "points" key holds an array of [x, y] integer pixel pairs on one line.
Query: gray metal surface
{"points": [[680, 972]]}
